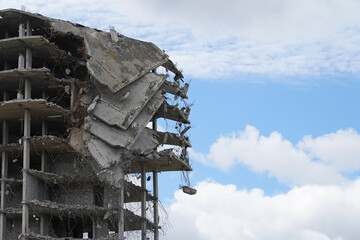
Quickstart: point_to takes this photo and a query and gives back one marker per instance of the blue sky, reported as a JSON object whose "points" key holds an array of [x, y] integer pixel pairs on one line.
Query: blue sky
{"points": [[275, 86]]}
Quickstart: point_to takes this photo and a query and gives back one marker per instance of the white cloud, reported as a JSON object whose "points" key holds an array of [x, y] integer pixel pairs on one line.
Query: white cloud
{"points": [[340, 149], [320, 160], [222, 39], [222, 212]]}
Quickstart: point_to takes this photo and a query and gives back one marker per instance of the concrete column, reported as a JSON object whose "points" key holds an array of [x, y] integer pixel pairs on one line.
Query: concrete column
{"points": [[21, 61], [156, 205], [73, 94], [44, 222], [21, 30], [28, 58], [28, 28], [121, 220], [4, 174], [21, 65], [143, 202], [156, 194], [26, 165], [27, 126]]}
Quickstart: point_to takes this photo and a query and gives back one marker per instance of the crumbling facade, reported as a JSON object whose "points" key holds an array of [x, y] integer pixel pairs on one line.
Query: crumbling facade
{"points": [[79, 110]]}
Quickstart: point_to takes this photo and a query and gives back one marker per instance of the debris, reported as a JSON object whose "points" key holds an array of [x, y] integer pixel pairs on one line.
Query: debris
{"points": [[189, 190]]}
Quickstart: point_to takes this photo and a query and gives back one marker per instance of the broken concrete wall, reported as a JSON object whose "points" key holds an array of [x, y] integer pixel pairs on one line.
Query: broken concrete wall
{"points": [[70, 165], [72, 195]]}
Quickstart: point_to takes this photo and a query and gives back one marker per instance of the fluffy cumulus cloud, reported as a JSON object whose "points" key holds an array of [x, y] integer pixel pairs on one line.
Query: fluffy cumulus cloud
{"points": [[222, 39], [223, 212], [322, 204], [321, 160]]}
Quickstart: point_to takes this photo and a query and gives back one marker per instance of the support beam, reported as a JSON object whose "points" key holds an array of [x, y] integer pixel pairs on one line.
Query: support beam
{"points": [[28, 28], [156, 194], [21, 61], [28, 62], [26, 165], [156, 205], [73, 94], [143, 202], [44, 223], [27, 126], [21, 30], [121, 220], [4, 174], [21, 65]]}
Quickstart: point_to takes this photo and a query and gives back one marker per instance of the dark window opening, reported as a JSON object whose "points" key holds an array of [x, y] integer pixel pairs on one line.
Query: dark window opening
{"points": [[98, 196]]}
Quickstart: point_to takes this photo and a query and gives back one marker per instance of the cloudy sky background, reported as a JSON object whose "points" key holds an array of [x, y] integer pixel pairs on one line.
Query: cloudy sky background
{"points": [[276, 90]]}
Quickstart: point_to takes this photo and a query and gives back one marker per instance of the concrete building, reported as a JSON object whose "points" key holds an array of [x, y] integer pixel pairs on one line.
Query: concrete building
{"points": [[79, 110]]}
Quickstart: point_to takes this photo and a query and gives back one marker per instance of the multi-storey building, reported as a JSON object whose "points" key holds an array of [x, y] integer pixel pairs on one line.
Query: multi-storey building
{"points": [[79, 110]]}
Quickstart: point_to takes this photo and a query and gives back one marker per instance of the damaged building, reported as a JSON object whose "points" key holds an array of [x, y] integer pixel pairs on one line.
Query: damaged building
{"points": [[79, 110]]}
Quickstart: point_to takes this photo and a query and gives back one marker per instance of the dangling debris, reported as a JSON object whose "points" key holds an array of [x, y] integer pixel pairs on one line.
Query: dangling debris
{"points": [[189, 190]]}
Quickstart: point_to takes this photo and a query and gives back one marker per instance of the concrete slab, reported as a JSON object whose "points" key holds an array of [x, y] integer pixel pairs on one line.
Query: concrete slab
{"points": [[121, 108], [40, 78], [172, 112], [40, 108], [42, 48], [173, 139], [117, 137]]}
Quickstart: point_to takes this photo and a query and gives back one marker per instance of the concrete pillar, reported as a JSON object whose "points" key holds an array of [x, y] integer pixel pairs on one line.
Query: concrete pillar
{"points": [[21, 61], [121, 220], [21, 30], [143, 202], [156, 194], [28, 28], [27, 126], [73, 94], [26, 165], [44, 221], [4, 174], [21, 65], [156, 205], [28, 58]]}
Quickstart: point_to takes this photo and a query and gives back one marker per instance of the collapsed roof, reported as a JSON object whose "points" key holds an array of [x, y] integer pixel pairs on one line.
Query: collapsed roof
{"points": [[123, 93]]}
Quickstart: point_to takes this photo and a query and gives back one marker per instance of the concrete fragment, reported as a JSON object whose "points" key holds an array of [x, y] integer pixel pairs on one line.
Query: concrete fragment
{"points": [[121, 108]]}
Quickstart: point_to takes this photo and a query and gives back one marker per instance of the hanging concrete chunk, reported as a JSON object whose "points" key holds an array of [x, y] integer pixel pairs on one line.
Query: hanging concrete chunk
{"points": [[121, 108], [169, 65], [147, 142], [117, 137], [104, 155]]}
